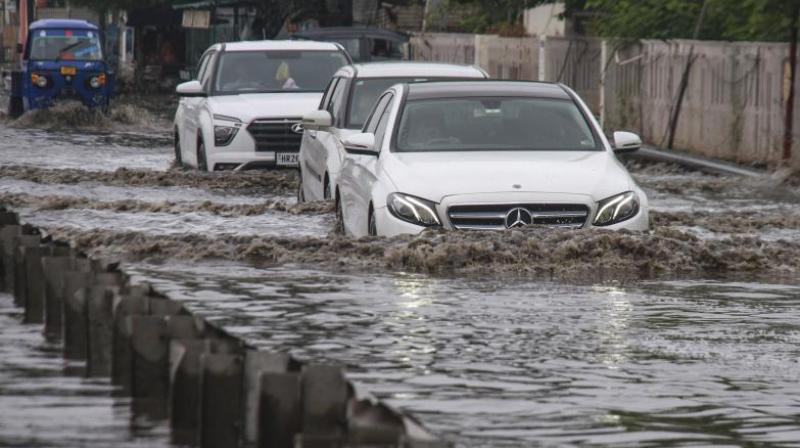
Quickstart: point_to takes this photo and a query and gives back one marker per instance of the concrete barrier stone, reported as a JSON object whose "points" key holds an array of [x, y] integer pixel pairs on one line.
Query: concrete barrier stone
{"points": [[75, 336], [8, 235], [133, 303], [184, 392], [325, 397], [22, 242], [150, 360], [280, 416], [220, 402], [34, 300], [54, 269], [100, 317], [257, 363]]}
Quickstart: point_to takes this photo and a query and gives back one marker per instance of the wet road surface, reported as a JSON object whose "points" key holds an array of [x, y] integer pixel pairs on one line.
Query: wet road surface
{"points": [[492, 358]]}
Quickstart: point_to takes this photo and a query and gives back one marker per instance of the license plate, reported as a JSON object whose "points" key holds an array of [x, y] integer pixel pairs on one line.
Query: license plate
{"points": [[288, 159], [69, 71]]}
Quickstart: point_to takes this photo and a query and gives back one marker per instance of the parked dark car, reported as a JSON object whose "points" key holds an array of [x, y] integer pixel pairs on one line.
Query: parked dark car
{"points": [[364, 44]]}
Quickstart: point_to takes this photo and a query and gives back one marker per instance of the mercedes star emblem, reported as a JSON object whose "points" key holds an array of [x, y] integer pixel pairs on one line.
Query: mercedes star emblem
{"points": [[297, 128], [518, 217]]}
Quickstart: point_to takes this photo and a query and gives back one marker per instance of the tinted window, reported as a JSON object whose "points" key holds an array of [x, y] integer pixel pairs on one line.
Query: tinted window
{"points": [[202, 66], [493, 124], [337, 98], [380, 129], [276, 71], [326, 99], [208, 69], [377, 112]]}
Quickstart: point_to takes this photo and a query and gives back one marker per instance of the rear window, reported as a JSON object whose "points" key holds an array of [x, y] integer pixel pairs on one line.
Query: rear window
{"points": [[494, 124]]}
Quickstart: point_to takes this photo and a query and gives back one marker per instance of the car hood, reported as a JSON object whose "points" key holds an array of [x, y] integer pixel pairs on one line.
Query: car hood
{"points": [[436, 175], [250, 106]]}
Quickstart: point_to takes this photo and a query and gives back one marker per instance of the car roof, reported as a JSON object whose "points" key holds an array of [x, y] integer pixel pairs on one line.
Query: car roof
{"points": [[455, 89], [267, 45], [345, 32], [63, 24], [392, 69]]}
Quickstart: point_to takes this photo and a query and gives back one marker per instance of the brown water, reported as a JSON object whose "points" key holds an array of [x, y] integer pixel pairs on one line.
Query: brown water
{"points": [[688, 335]]}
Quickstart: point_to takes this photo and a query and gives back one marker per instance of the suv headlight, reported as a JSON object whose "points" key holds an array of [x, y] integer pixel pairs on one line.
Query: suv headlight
{"points": [[617, 209], [225, 129], [413, 209]]}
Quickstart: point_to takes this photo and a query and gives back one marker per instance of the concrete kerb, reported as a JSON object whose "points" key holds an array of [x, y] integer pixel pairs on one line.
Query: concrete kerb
{"points": [[217, 391], [20, 243]]}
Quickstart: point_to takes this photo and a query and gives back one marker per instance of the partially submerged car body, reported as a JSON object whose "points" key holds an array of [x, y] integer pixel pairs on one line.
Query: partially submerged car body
{"points": [[62, 60]]}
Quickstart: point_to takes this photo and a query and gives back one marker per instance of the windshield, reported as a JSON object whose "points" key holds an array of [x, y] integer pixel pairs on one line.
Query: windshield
{"points": [[494, 124], [366, 93], [65, 45], [276, 71]]}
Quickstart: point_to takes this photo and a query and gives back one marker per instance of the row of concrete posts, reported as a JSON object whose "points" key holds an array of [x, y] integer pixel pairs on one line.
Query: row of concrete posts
{"points": [[214, 389]]}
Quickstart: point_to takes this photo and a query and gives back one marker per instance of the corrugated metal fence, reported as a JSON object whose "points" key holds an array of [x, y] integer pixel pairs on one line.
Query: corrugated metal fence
{"points": [[733, 107]]}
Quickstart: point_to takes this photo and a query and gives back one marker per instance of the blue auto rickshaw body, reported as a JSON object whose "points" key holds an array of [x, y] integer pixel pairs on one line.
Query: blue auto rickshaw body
{"points": [[63, 60]]}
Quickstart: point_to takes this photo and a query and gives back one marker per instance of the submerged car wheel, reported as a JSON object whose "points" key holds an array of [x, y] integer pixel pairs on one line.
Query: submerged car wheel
{"points": [[339, 225], [202, 164], [301, 195], [178, 158], [372, 226], [326, 193]]}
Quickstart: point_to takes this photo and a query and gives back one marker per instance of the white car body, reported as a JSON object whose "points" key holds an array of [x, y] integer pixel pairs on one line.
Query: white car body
{"points": [[503, 181], [254, 115], [321, 151]]}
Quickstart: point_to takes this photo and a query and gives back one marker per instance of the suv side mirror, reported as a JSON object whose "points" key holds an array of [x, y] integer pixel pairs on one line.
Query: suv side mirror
{"points": [[318, 120], [361, 144], [191, 89], [625, 142]]}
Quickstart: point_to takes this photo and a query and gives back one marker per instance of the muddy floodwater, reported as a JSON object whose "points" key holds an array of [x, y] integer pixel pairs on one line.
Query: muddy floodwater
{"points": [[688, 335]]}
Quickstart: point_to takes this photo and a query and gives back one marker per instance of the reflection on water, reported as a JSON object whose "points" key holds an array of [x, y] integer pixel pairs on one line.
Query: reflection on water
{"points": [[42, 406], [491, 362]]}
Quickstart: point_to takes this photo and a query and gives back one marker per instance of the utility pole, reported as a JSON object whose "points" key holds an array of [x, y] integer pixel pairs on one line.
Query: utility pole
{"points": [[676, 109], [788, 128]]}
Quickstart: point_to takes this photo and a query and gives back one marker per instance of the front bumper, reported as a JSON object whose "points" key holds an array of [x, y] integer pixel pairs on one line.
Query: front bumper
{"points": [[388, 225]]}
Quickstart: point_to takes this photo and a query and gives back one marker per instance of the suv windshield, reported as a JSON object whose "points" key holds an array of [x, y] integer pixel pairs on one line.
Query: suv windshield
{"points": [[65, 45], [276, 71], [494, 124], [366, 93]]}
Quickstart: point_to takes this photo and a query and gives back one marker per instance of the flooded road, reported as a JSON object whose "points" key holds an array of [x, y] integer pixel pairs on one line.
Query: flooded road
{"points": [[687, 335]]}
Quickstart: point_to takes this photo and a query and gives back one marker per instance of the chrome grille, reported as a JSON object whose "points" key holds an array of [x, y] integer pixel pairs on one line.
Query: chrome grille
{"points": [[493, 216], [275, 135]]}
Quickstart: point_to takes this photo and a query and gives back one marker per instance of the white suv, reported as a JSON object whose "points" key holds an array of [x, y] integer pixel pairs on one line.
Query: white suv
{"points": [[344, 109], [243, 110]]}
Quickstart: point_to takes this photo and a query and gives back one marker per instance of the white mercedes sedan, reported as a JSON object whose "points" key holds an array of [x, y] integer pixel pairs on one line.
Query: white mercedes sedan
{"points": [[243, 111], [489, 155], [344, 108]]}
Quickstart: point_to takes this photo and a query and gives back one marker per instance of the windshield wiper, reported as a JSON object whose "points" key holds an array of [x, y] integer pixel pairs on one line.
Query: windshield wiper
{"points": [[69, 47]]}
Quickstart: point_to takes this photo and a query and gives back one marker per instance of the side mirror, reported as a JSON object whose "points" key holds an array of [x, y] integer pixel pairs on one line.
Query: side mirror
{"points": [[319, 120], [625, 142], [191, 89], [361, 144]]}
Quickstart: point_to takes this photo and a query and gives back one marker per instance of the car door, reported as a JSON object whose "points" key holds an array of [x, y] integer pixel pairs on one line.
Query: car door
{"points": [[312, 153], [328, 139], [359, 172], [193, 108]]}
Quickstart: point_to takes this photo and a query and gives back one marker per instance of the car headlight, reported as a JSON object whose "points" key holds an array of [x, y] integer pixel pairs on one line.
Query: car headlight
{"points": [[97, 81], [39, 81], [413, 209], [226, 129], [617, 209]]}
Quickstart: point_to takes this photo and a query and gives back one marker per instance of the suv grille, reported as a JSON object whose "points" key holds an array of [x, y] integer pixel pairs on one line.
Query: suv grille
{"points": [[275, 135], [493, 216]]}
